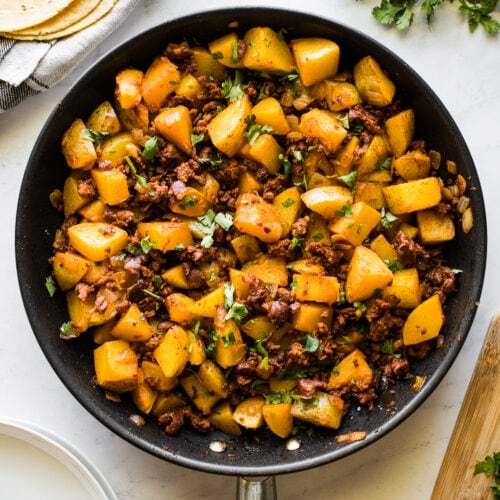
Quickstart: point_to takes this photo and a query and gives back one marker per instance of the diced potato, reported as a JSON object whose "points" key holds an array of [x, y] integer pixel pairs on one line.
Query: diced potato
{"points": [[412, 165], [69, 269], [317, 229], [180, 307], [227, 129], [116, 366], [424, 322], [358, 224], [208, 304], [409, 230], [278, 418], [344, 157], [104, 119], [128, 87], [176, 126], [241, 283], [225, 50], [324, 410], [134, 118], [367, 273], [176, 277], [207, 65], [132, 326], [270, 270], [434, 228], [77, 147], [317, 59], [306, 266], [166, 235], [229, 346], [160, 80], [258, 218], [400, 129], [72, 199], [197, 353], [266, 51], [259, 327], [210, 189], [372, 83], [248, 413], [112, 185], [406, 287], [187, 200], [97, 240], [307, 317], [282, 384], [201, 397], [114, 149], [316, 288], [323, 125], [351, 370], [248, 183], [370, 193], [155, 377], [266, 151], [166, 402], [246, 247], [269, 111], [412, 196], [339, 95], [375, 153], [327, 200], [93, 211], [288, 203], [143, 395], [102, 333], [383, 248], [172, 353], [189, 86], [221, 417], [80, 311], [213, 378]]}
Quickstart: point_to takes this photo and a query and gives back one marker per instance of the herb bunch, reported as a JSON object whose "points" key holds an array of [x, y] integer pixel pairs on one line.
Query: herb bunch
{"points": [[400, 13]]}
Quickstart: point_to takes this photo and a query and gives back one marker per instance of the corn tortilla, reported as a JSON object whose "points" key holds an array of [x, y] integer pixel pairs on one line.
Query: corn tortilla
{"points": [[70, 15], [21, 14], [95, 15]]}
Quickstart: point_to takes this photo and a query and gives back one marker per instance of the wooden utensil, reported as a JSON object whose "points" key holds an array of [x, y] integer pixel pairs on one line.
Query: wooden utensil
{"points": [[477, 430]]}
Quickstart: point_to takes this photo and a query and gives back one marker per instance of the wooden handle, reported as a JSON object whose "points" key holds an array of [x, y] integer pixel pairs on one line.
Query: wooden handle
{"points": [[477, 430]]}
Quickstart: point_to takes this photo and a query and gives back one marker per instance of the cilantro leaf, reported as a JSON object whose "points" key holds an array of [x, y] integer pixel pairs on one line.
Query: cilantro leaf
{"points": [[311, 344], [255, 130], [150, 149], [233, 90], [396, 12], [50, 285], [349, 179], [139, 178], [387, 218], [96, 137]]}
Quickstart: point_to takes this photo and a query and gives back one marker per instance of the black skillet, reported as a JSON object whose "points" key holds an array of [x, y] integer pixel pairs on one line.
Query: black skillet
{"points": [[72, 360]]}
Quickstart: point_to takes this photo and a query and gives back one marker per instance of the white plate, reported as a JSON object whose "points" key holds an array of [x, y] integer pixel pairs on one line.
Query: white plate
{"points": [[37, 464]]}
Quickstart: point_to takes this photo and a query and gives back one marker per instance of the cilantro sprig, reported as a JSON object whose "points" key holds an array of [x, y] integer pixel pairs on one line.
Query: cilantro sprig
{"points": [[491, 467], [207, 223]]}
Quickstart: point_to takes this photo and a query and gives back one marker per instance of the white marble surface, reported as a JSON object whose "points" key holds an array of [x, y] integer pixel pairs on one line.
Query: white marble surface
{"points": [[463, 70]]}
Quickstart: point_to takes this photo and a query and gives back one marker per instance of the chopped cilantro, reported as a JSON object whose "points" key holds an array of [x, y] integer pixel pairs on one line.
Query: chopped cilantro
{"points": [[96, 137], [139, 178], [207, 224], [345, 211], [50, 285], [66, 329], [317, 237], [311, 344], [384, 163], [344, 120], [349, 179], [387, 218], [287, 165], [233, 90], [150, 149], [187, 201], [255, 130], [234, 52], [218, 55], [152, 294], [196, 138], [288, 202], [388, 349]]}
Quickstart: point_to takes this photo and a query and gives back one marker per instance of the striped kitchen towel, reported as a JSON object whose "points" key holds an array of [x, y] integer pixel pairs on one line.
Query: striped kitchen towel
{"points": [[30, 67]]}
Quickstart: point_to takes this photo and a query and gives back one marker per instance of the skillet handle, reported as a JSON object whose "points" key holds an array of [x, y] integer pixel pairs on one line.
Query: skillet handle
{"points": [[256, 488]]}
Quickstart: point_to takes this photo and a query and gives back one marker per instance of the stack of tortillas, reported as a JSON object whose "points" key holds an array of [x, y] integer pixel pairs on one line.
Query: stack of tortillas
{"points": [[49, 19]]}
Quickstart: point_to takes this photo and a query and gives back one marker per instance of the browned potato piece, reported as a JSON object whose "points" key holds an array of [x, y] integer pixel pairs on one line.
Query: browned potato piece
{"points": [[160, 80], [128, 87], [104, 119], [77, 147], [372, 83]]}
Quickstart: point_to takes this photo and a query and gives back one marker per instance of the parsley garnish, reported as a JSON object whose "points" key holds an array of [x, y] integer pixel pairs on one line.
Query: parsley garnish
{"points": [[387, 218], [207, 224], [66, 329], [387, 348], [311, 344], [393, 265], [255, 130], [233, 90], [317, 237], [349, 179], [96, 137], [234, 52], [196, 138], [50, 285], [139, 178], [235, 310], [344, 120], [345, 211], [145, 246], [150, 149], [152, 294], [491, 467]]}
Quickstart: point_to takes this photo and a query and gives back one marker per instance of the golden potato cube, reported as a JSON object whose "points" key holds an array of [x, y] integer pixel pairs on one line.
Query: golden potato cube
{"points": [[227, 129], [212, 377], [278, 418], [132, 326], [176, 126], [267, 51], [221, 417], [229, 346], [324, 126], [351, 370], [367, 273], [112, 185], [166, 235], [128, 87], [207, 305], [259, 327], [316, 288], [188, 200], [289, 205], [383, 248], [197, 353], [271, 270], [172, 353], [356, 226], [307, 317], [370, 193], [72, 199], [116, 366], [412, 165], [376, 152], [143, 395], [104, 119], [246, 247], [339, 95], [434, 228], [372, 83], [248, 183], [344, 157], [180, 307], [189, 86], [201, 397], [269, 111], [155, 377], [406, 287], [306, 266], [161, 79], [424, 322], [257, 217], [93, 211], [225, 50], [80, 312], [317, 230], [176, 277], [412, 196], [410, 230], [327, 200], [69, 269], [97, 240], [166, 402], [324, 410], [248, 413], [241, 283], [207, 65], [134, 118], [317, 59], [77, 147], [400, 129], [114, 149], [265, 150]]}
